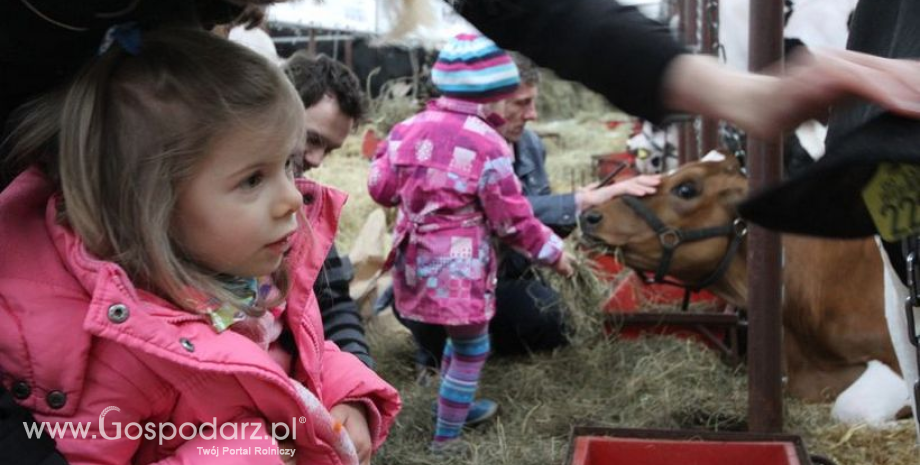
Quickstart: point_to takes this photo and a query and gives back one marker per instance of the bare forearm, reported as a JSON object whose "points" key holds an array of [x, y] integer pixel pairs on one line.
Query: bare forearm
{"points": [[765, 105], [700, 85]]}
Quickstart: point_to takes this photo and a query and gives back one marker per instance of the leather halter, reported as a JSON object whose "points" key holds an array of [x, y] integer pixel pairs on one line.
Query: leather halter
{"points": [[672, 238]]}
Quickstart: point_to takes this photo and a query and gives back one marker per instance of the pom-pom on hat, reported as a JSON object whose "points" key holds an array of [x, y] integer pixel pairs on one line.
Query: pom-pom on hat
{"points": [[471, 67]]}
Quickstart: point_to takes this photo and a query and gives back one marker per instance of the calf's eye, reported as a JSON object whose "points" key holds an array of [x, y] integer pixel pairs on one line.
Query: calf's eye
{"points": [[686, 190]]}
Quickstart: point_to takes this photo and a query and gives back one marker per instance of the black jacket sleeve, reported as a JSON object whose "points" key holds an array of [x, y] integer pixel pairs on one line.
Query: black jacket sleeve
{"points": [[341, 321], [16, 447], [612, 49]]}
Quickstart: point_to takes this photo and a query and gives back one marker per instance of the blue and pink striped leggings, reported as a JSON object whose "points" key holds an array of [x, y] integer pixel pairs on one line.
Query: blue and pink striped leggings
{"points": [[465, 354]]}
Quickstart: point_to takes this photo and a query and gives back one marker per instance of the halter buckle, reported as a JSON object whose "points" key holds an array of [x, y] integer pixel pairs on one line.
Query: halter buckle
{"points": [[670, 238], [740, 227]]}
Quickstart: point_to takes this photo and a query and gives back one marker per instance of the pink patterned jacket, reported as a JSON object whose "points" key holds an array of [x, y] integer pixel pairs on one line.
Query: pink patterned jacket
{"points": [[451, 175]]}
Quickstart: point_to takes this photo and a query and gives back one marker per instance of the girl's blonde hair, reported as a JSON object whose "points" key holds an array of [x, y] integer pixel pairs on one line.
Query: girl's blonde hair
{"points": [[131, 128]]}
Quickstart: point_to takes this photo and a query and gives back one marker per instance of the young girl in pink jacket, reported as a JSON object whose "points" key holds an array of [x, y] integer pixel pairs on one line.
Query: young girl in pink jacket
{"points": [[451, 175], [158, 263]]}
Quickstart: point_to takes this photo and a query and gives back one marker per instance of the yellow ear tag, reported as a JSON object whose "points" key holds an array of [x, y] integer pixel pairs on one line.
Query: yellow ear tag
{"points": [[893, 199]]}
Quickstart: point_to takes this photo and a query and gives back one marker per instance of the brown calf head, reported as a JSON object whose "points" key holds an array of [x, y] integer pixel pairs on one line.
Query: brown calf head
{"points": [[698, 195]]}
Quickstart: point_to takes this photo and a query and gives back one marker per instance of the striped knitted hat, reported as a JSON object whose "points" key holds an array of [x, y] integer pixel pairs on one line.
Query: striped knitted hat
{"points": [[471, 67]]}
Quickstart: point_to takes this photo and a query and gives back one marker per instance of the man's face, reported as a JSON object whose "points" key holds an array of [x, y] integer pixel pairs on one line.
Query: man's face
{"points": [[327, 128], [520, 108]]}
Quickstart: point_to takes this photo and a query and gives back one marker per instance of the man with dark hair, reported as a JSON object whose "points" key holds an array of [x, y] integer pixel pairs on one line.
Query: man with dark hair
{"points": [[333, 104], [332, 97], [558, 211]]}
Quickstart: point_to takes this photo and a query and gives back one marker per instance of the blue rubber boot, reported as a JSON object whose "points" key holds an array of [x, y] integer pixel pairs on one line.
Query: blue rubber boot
{"points": [[481, 410]]}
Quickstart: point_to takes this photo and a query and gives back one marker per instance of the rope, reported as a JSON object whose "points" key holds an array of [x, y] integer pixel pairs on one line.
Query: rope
{"points": [[911, 251]]}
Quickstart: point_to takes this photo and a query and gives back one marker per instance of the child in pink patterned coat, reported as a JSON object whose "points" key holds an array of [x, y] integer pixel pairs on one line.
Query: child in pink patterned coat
{"points": [[451, 175]]}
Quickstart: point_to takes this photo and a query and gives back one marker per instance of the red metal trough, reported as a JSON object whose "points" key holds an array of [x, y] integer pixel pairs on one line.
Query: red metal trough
{"points": [[614, 446]]}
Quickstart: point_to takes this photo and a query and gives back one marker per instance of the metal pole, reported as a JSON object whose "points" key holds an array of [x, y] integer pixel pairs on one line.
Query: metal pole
{"points": [[765, 160], [349, 53], [683, 134], [710, 126], [688, 149]]}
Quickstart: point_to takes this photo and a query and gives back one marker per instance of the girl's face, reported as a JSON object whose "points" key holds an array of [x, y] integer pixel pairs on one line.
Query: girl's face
{"points": [[237, 213]]}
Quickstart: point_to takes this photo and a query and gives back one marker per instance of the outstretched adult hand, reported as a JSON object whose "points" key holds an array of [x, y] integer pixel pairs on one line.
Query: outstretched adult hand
{"points": [[593, 195], [765, 105]]}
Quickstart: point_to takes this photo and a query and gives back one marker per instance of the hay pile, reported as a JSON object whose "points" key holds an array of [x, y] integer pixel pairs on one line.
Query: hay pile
{"points": [[583, 292], [653, 382], [641, 383]]}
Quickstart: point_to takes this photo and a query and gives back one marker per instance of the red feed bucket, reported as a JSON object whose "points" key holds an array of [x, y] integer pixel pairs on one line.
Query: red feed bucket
{"points": [[611, 446]]}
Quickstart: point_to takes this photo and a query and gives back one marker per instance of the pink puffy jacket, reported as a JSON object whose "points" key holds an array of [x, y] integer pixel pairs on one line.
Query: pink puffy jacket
{"points": [[76, 337]]}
